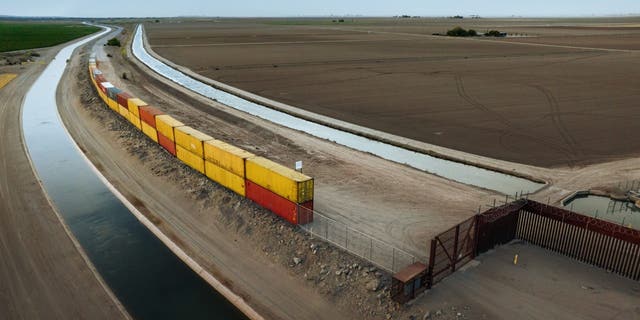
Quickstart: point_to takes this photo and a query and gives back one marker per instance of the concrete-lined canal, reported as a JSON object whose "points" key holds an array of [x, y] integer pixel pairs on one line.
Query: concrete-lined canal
{"points": [[149, 280], [476, 176]]}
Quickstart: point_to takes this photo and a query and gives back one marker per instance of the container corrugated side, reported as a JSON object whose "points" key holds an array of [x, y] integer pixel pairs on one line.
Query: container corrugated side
{"points": [[165, 124], [123, 99], [148, 114], [149, 131], [225, 178], [135, 121], [269, 200], [134, 104], [191, 139], [284, 181], [192, 160], [226, 156], [124, 112], [167, 143]]}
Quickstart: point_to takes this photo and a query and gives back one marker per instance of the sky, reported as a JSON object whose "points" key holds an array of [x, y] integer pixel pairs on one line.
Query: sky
{"points": [[294, 8]]}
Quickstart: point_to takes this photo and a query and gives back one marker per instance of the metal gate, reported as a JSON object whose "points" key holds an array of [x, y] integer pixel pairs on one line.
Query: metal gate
{"points": [[452, 249]]}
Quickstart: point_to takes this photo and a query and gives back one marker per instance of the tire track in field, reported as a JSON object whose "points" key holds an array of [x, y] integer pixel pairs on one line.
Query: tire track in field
{"points": [[561, 127], [509, 126]]}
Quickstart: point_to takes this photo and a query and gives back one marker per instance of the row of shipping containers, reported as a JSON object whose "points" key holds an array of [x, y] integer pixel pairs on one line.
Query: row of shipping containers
{"points": [[284, 191]]}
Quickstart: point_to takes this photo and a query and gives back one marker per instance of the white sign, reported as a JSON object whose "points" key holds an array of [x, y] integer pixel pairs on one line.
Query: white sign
{"points": [[299, 165]]}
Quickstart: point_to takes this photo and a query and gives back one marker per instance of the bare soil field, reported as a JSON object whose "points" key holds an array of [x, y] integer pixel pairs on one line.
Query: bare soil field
{"points": [[543, 103]]}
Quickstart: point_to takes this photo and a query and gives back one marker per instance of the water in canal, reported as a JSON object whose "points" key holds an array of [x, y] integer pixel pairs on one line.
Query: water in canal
{"points": [[149, 280], [620, 212], [504, 183]]}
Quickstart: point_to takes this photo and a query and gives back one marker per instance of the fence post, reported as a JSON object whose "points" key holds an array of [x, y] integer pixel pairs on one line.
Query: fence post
{"points": [[455, 249], [432, 257]]}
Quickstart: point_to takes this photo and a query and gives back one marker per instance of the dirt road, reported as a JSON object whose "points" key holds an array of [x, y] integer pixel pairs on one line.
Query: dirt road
{"points": [[42, 273]]}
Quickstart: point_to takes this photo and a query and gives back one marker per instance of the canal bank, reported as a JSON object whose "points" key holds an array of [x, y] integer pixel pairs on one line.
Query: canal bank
{"points": [[148, 278]]}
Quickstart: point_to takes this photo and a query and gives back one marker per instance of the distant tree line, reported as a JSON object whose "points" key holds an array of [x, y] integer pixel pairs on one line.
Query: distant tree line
{"points": [[461, 32]]}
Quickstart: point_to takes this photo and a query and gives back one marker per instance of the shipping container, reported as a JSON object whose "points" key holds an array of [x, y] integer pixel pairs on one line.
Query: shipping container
{"points": [[149, 131], [192, 160], [134, 104], [191, 139], [284, 181], [113, 93], [165, 124], [123, 99], [226, 156], [105, 86], [225, 178], [282, 207], [135, 121], [166, 143], [148, 114], [123, 111], [100, 78]]}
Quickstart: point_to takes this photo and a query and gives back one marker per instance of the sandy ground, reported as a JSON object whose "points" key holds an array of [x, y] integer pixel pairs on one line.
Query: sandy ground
{"points": [[549, 105], [42, 273], [543, 285]]}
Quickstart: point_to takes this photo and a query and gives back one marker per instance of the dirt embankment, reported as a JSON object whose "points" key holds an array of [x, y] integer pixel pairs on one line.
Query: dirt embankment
{"points": [[277, 268], [42, 273]]}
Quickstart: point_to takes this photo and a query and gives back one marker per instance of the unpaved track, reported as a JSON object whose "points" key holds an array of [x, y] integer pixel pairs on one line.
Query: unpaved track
{"points": [[42, 273], [268, 288]]}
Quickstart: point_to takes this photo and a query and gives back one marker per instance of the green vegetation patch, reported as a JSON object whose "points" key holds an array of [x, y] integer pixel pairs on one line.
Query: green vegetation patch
{"points": [[20, 36]]}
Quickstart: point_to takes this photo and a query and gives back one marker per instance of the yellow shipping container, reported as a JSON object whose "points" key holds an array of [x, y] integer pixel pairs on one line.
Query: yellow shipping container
{"points": [[226, 178], [192, 160], [134, 104], [149, 131], [191, 139], [113, 104], [165, 124], [135, 121], [123, 111], [227, 156], [281, 180]]}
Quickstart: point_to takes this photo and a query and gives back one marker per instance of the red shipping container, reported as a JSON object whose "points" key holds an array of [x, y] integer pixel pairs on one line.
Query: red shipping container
{"points": [[100, 78], [282, 207], [122, 99], [167, 143], [148, 114]]}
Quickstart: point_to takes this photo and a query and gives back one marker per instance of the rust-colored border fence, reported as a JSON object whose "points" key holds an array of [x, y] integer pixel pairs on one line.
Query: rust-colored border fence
{"points": [[604, 244], [452, 249]]}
